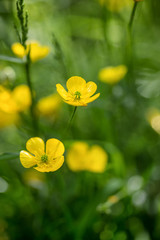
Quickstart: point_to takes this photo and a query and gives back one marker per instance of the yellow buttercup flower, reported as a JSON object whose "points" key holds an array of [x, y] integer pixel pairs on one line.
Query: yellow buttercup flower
{"points": [[115, 5], [49, 105], [41, 158], [15, 101], [22, 97], [82, 157], [35, 50], [7, 104], [7, 119], [112, 75], [79, 92]]}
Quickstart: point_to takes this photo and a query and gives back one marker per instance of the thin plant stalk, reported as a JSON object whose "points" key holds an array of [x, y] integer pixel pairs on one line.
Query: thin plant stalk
{"points": [[70, 121], [72, 116], [29, 82], [132, 15]]}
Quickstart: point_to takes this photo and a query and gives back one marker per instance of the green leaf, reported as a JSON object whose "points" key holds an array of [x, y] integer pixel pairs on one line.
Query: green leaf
{"points": [[11, 59]]}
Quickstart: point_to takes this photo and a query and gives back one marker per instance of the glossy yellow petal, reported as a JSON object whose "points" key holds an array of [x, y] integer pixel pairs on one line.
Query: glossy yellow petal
{"points": [[27, 160], [35, 146], [91, 99], [53, 166], [97, 159], [22, 96], [91, 88], [62, 92], [37, 51], [75, 84], [18, 50], [77, 103], [54, 148]]}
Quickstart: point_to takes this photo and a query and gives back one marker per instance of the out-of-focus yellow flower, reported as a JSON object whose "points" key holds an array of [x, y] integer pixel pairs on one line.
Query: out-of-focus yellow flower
{"points": [[22, 97], [7, 119], [112, 75], [49, 105], [41, 158], [35, 50], [82, 157], [7, 104], [115, 5], [79, 92], [153, 117], [113, 199], [15, 101]]}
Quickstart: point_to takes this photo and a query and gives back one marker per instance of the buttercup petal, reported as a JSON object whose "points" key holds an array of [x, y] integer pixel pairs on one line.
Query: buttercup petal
{"points": [[91, 99], [55, 165], [91, 88], [27, 160], [35, 146], [54, 148], [75, 84], [76, 103], [18, 50], [62, 92]]}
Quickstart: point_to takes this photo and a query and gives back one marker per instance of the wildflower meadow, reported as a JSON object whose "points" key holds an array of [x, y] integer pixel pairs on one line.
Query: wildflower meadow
{"points": [[79, 120]]}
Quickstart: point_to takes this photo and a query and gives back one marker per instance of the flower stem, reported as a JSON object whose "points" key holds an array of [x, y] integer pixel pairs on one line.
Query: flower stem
{"points": [[32, 108], [69, 123], [132, 15], [72, 116]]}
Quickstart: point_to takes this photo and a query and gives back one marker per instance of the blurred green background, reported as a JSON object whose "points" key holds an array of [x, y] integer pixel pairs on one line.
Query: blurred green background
{"points": [[123, 202]]}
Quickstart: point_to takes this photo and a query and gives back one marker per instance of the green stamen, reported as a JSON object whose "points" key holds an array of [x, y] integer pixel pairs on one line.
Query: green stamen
{"points": [[44, 158], [77, 95]]}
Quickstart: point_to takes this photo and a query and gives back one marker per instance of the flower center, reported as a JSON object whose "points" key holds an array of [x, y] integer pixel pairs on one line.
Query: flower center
{"points": [[44, 158], [77, 95]]}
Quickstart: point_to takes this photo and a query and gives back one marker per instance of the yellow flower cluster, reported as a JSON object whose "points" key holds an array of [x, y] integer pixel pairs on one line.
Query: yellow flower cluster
{"points": [[112, 75], [13, 102], [41, 158], [82, 157], [33, 48], [79, 94]]}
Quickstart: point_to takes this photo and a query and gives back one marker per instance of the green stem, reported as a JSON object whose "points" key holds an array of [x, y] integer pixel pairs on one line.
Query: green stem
{"points": [[70, 121], [32, 108], [72, 116], [132, 15]]}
